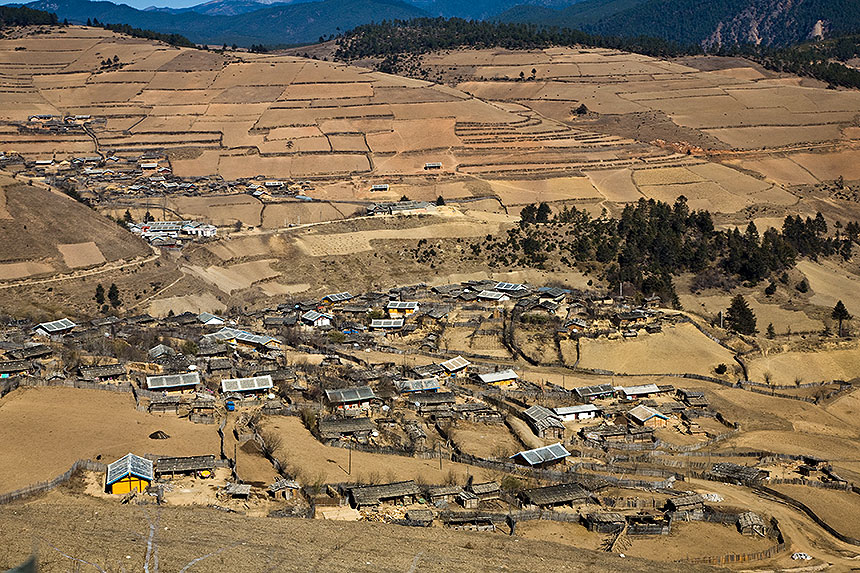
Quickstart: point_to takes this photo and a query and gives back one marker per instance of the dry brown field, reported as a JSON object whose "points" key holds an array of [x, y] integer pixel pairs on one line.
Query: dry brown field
{"points": [[62, 425], [838, 508], [678, 349]]}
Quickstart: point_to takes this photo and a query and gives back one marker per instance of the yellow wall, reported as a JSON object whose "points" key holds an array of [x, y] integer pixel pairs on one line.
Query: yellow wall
{"points": [[127, 484]]}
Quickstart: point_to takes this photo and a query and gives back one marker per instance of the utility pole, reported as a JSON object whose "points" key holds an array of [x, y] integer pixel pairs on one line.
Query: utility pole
{"points": [[349, 467]]}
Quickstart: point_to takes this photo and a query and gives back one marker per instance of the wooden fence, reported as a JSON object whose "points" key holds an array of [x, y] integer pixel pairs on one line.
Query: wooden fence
{"points": [[51, 484]]}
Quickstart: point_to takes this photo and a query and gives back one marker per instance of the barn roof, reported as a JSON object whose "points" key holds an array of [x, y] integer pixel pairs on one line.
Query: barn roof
{"points": [[592, 391], [9, 366], [172, 380], [401, 305], [542, 418], [374, 494], [129, 464], [577, 409], [543, 455], [553, 494], [338, 297], [94, 372], [335, 427], [642, 414], [184, 464], [386, 323], [250, 384], [228, 333]]}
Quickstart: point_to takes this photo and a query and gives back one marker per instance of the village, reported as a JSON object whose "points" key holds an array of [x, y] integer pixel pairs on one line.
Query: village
{"points": [[373, 374]]}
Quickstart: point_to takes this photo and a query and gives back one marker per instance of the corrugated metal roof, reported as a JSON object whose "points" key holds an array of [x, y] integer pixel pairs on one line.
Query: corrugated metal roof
{"points": [[419, 385], [499, 376], [228, 333], [491, 295], [643, 413], [578, 409], [638, 390], [250, 384], [56, 325], [542, 455], [342, 395], [509, 286], [542, 418], [129, 464], [401, 305], [386, 323], [338, 297], [172, 380], [457, 363]]}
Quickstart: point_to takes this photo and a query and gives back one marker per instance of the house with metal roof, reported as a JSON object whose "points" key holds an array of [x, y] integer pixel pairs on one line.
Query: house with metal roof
{"points": [[509, 287], [55, 327], [555, 495], [359, 398], [336, 298], [642, 415], [236, 337], [398, 308], [541, 457], [173, 383], [386, 323], [250, 385], [637, 392], [544, 422], [577, 412], [419, 385], [457, 366], [493, 296], [500, 378], [336, 428], [160, 350], [129, 473], [316, 319], [209, 319]]}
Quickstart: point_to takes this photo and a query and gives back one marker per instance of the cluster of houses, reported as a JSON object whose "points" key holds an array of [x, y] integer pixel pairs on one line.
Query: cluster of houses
{"points": [[172, 233]]}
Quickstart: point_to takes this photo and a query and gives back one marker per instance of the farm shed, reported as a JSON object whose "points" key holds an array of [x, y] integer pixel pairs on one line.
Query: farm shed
{"points": [[485, 491], [236, 490], [739, 475], [433, 402], [470, 522], [544, 422], [750, 523], [541, 457], [501, 378], [11, 367], [128, 473], [373, 495], [184, 465], [555, 495], [359, 398], [457, 366], [283, 489], [589, 393], [649, 524], [102, 373], [419, 517], [160, 350], [576, 413], [693, 398], [642, 415], [690, 503], [419, 385], [468, 500], [31, 352], [604, 521], [173, 383], [55, 327], [165, 404], [445, 493], [336, 428], [256, 385]]}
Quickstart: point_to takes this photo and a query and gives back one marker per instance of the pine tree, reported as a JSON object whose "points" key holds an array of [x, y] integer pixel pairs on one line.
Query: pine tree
{"points": [[840, 314], [100, 294], [771, 333], [440, 201], [127, 217], [113, 295], [740, 316]]}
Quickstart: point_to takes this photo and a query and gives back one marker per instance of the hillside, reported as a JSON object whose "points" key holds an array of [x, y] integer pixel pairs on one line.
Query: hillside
{"points": [[272, 25], [45, 232], [769, 22]]}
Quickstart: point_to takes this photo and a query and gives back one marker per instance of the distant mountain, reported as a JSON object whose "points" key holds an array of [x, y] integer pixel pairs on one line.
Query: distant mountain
{"points": [[223, 7], [278, 24], [704, 22]]}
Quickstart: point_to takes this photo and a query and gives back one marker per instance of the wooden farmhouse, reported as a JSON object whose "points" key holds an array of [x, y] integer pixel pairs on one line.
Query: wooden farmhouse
{"points": [[577, 413], [501, 379], [372, 495], [201, 466], [555, 496], [351, 399], [129, 473], [544, 423], [647, 417]]}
